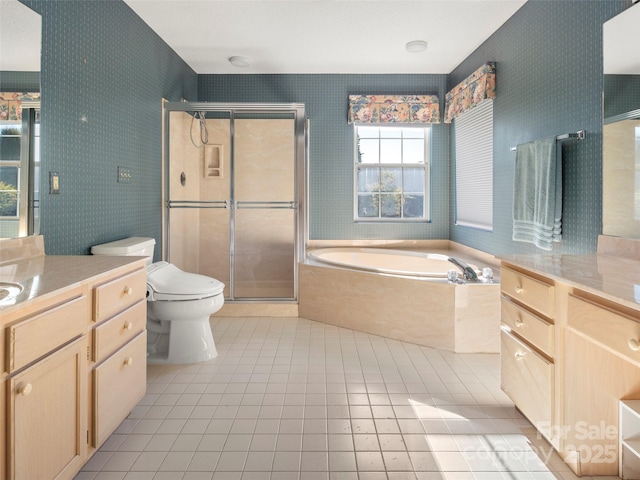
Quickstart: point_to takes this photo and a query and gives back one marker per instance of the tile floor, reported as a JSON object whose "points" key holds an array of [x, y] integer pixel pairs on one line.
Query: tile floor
{"points": [[293, 399]]}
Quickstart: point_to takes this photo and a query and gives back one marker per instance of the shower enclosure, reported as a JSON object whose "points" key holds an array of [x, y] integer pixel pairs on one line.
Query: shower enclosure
{"points": [[235, 182]]}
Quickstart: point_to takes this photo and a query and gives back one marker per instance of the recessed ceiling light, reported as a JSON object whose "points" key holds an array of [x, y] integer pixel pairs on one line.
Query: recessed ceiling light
{"points": [[239, 61], [416, 46]]}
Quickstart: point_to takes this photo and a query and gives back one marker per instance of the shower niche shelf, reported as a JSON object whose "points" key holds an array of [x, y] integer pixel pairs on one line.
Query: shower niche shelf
{"points": [[213, 161]]}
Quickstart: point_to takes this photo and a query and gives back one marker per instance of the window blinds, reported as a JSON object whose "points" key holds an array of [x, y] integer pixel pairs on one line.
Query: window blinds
{"points": [[474, 167]]}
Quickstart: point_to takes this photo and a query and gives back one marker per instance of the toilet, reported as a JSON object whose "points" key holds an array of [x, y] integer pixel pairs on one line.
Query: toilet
{"points": [[178, 306]]}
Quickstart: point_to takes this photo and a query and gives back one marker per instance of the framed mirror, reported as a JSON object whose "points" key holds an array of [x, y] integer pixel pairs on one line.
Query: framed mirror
{"points": [[621, 129], [20, 46]]}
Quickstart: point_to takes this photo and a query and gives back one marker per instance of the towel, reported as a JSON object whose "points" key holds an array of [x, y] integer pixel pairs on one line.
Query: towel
{"points": [[537, 193]]}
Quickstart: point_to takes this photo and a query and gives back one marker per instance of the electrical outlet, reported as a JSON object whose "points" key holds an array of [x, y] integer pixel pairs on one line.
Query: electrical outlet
{"points": [[124, 175], [54, 182]]}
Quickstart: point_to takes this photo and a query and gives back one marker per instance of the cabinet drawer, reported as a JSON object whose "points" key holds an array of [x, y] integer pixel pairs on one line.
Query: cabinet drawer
{"points": [[533, 329], [118, 384], [116, 295], [112, 334], [38, 335], [527, 379], [528, 291], [606, 327]]}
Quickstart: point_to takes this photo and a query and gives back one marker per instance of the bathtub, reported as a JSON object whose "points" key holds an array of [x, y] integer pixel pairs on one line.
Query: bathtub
{"points": [[402, 295], [383, 260]]}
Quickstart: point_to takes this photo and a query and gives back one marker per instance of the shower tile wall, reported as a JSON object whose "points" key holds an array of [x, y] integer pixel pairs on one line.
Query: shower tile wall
{"points": [[199, 238], [619, 187], [264, 171], [184, 223]]}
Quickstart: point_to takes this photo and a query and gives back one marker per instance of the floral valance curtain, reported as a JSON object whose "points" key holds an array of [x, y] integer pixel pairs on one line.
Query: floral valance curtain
{"points": [[11, 104], [394, 109], [475, 89]]}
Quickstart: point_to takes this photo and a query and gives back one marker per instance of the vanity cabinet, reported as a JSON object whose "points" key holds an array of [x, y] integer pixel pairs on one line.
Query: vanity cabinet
{"points": [[603, 357], [581, 326], [73, 365], [118, 353], [527, 345], [46, 387]]}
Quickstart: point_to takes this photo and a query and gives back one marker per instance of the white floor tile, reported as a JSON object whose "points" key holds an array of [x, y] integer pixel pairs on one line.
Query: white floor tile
{"points": [[292, 399]]}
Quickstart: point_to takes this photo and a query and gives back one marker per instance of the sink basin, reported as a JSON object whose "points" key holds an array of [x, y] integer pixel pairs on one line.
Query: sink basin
{"points": [[9, 290]]}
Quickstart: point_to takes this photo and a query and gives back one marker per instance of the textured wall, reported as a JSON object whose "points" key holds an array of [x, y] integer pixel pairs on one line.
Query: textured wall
{"points": [[331, 144], [621, 94], [549, 82], [19, 81], [100, 60], [549, 64]]}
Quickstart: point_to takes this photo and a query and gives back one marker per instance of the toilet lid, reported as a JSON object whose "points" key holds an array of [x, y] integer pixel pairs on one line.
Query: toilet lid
{"points": [[168, 282]]}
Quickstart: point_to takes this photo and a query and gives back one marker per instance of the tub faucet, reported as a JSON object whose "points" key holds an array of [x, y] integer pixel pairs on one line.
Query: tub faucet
{"points": [[467, 272]]}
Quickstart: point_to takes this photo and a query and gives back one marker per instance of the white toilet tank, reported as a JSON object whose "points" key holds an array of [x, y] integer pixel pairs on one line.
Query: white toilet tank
{"points": [[127, 247]]}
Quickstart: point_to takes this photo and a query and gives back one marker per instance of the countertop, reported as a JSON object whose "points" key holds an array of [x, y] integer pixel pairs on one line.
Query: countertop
{"points": [[611, 277], [46, 275]]}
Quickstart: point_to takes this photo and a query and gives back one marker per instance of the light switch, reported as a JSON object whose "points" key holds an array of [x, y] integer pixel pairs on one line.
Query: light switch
{"points": [[54, 182]]}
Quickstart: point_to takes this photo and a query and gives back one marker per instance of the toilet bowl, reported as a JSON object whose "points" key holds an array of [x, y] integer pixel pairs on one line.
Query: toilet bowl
{"points": [[178, 306]]}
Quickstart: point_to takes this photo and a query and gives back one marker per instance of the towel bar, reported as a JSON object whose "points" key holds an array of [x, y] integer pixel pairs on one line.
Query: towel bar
{"points": [[580, 135]]}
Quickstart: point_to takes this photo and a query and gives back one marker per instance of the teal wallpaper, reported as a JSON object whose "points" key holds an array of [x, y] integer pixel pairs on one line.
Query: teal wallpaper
{"points": [[331, 144], [104, 74], [548, 82], [621, 94], [19, 81]]}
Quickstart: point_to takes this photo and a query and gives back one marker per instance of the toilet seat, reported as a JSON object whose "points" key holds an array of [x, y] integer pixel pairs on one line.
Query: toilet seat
{"points": [[167, 282]]}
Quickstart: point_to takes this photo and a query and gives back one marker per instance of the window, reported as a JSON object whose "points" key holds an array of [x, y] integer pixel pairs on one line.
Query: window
{"points": [[10, 135], [391, 173], [474, 167]]}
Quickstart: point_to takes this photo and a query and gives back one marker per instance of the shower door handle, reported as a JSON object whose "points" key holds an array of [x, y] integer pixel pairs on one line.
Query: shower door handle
{"points": [[286, 205], [197, 204]]}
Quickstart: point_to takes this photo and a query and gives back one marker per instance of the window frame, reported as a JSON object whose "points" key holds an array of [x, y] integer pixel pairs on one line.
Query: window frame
{"points": [[426, 166]]}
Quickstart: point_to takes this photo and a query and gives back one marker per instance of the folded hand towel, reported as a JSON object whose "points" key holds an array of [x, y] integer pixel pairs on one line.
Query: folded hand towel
{"points": [[537, 193]]}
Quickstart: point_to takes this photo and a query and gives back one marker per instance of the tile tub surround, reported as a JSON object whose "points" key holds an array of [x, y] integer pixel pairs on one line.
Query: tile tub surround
{"points": [[433, 313]]}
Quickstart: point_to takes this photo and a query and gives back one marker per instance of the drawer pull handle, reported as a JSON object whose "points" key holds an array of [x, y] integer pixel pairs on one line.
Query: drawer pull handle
{"points": [[634, 344], [128, 325], [519, 289], [519, 322], [128, 290], [25, 389], [128, 362], [520, 355]]}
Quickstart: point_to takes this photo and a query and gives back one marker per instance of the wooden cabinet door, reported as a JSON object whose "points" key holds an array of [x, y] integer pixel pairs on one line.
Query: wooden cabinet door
{"points": [[47, 416], [595, 380], [119, 383]]}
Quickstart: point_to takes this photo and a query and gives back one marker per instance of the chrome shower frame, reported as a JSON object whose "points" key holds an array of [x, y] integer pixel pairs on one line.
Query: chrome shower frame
{"points": [[301, 179]]}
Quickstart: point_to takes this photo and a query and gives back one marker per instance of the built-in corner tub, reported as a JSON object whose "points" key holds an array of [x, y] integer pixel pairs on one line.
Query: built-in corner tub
{"points": [[403, 294]]}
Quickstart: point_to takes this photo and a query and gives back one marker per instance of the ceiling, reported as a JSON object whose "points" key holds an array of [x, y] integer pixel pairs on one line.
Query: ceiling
{"points": [[620, 51], [19, 37], [315, 36], [324, 36]]}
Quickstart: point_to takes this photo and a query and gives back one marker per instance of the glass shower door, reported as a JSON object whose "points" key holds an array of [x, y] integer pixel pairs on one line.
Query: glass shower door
{"points": [[199, 195], [235, 183], [265, 207]]}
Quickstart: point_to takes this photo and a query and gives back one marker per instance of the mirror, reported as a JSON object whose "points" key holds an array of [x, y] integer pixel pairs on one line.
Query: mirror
{"points": [[20, 45], [621, 129]]}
